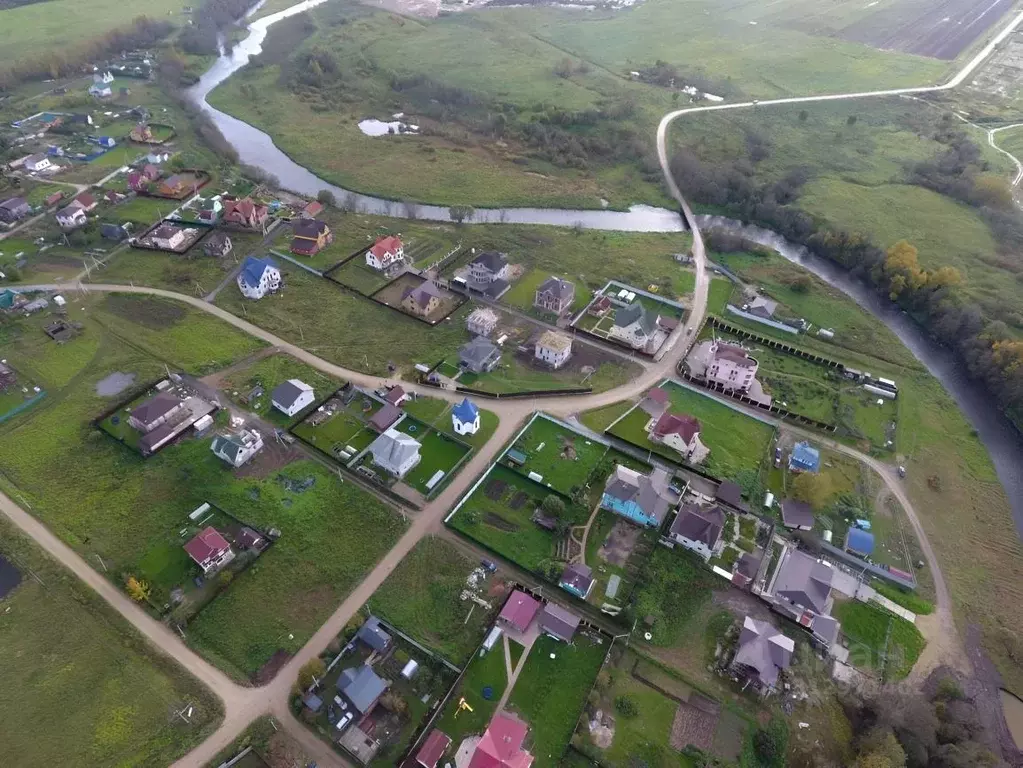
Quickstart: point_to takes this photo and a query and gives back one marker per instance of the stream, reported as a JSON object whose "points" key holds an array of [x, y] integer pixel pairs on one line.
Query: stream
{"points": [[1003, 442]]}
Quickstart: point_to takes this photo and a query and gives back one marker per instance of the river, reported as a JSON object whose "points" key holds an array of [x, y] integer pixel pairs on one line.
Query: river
{"points": [[256, 148]]}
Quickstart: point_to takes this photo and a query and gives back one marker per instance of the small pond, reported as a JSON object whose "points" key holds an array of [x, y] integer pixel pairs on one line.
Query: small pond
{"points": [[114, 384]]}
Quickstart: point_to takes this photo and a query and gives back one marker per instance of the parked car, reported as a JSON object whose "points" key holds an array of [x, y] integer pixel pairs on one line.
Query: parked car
{"points": [[489, 566], [344, 721]]}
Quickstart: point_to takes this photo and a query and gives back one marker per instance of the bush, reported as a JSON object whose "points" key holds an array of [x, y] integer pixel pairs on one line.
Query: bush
{"points": [[626, 706]]}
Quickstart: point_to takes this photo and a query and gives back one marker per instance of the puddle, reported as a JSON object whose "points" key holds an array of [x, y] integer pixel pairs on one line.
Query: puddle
{"points": [[1012, 708], [374, 127], [114, 384]]}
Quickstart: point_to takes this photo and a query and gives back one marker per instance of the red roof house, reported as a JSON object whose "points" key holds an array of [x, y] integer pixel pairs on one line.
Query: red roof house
{"points": [[501, 745], [684, 426], [209, 550], [384, 252], [245, 213], [433, 749], [86, 201], [519, 611]]}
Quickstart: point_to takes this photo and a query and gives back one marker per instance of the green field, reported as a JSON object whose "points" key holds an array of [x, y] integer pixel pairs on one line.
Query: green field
{"points": [[93, 502], [550, 692], [422, 598], [867, 628], [565, 459], [737, 442], [674, 587], [269, 372], [77, 657]]}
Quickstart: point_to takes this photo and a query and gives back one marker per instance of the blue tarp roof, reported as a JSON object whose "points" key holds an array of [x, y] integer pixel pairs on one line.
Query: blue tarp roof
{"points": [[465, 411], [860, 542], [805, 456], [253, 269]]}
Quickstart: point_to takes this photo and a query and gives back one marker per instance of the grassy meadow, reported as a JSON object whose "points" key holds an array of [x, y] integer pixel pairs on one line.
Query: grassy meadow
{"points": [[77, 657]]}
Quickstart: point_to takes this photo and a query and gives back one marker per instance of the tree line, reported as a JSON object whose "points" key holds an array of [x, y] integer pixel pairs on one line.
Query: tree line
{"points": [[201, 36]]}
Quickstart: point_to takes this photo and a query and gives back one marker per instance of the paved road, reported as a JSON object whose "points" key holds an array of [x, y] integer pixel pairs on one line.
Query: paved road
{"points": [[242, 705]]}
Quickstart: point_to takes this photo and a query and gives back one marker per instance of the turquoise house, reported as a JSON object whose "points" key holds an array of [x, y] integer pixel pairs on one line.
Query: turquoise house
{"points": [[643, 499]]}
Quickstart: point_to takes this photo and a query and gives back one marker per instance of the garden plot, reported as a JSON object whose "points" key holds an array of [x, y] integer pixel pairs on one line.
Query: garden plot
{"points": [[393, 295], [440, 454], [616, 548], [738, 443], [564, 459], [17, 390]]}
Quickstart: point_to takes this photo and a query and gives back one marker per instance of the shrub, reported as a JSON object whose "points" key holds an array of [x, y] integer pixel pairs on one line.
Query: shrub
{"points": [[626, 706]]}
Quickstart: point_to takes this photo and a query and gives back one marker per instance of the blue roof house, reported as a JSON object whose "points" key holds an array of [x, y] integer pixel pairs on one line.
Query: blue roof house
{"points": [[465, 418], [106, 141], [804, 458], [258, 277], [372, 634], [643, 499], [859, 542]]}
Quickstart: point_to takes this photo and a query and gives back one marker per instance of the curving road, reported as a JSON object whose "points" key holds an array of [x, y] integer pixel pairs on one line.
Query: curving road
{"points": [[242, 704]]}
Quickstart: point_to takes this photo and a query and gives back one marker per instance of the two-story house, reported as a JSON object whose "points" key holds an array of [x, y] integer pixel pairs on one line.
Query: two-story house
{"points": [[554, 295], [385, 252], [481, 322], [698, 529], [643, 499], [680, 432], [238, 448], [209, 550], [395, 452], [310, 236], [479, 355], [258, 277], [488, 273], [422, 299], [634, 326], [14, 209], [158, 410], [553, 348], [731, 367], [246, 213]]}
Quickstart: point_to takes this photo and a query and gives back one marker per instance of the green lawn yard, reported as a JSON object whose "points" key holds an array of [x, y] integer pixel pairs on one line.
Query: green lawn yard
{"points": [[338, 432], [673, 588], [483, 672], [495, 523], [268, 373], [77, 657], [866, 626], [437, 413], [564, 458], [439, 453], [422, 598], [514, 375], [551, 691]]}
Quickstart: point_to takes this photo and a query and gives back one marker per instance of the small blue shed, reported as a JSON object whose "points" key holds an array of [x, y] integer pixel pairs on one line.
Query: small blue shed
{"points": [[859, 542], [804, 458]]}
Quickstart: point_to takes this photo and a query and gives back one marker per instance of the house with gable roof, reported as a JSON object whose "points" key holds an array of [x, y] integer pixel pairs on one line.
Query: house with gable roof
{"points": [[310, 236], [258, 277], [501, 744], [643, 499], [395, 452], [465, 418], [423, 299], [209, 550], [699, 529], [634, 326], [554, 295], [238, 448], [385, 252], [245, 213], [680, 432]]}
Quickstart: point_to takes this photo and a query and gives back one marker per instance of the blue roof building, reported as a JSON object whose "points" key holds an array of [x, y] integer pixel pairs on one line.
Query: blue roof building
{"points": [[465, 418], [804, 458], [106, 141], [258, 277], [859, 542]]}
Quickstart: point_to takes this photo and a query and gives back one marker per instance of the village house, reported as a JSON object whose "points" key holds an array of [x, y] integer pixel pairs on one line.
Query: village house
{"points": [[397, 395], [217, 245], [311, 209], [478, 355], [36, 163], [859, 542], [501, 744], [385, 252], [210, 209], [107, 142], [804, 458], [141, 132], [518, 611], [802, 592], [14, 209], [8, 377], [422, 299], [465, 418], [139, 181], [488, 274], [385, 418], [599, 307], [654, 404], [373, 634], [209, 550], [81, 118], [110, 231], [245, 213], [553, 348], [698, 529], [238, 448], [395, 452], [680, 432], [731, 367], [168, 237], [481, 321], [100, 91], [158, 410], [762, 307], [746, 570], [557, 622], [53, 199], [634, 326], [433, 749], [292, 397], [258, 277], [577, 579], [554, 295], [643, 499], [310, 236], [103, 77], [177, 185], [763, 654], [797, 515], [361, 687]]}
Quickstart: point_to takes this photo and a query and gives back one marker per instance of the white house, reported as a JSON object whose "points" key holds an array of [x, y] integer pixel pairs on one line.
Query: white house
{"points": [[633, 325], [385, 252], [237, 449], [465, 418], [37, 163], [488, 267], [698, 529], [553, 348], [209, 550], [482, 321], [731, 367], [292, 396], [258, 277], [168, 236], [103, 77], [100, 91], [395, 452], [679, 432], [71, 217]]}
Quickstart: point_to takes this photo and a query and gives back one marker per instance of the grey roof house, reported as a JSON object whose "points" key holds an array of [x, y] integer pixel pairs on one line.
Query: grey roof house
{"points": [[488, 273], [479, 355], [558, 622], [372, 634], [554, 295], [362, 687], [802, 586], [643, 499], [763, 653], [291, 396], [395, 452], [698, 529], [797, 514], [14, 209]]}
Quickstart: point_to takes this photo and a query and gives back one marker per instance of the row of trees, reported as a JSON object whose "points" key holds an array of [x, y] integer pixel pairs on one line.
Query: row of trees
{"points": [[202, 35], [987, 348]]}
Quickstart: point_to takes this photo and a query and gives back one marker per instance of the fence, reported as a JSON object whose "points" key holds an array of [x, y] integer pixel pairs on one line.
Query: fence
{"points": [[21, 408], [762, 320], [774, 344], [510, 395], [296, 262]]}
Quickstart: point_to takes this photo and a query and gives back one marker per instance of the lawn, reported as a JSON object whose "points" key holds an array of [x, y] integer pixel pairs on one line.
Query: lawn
{"points": [[600, 419], [482, 672], [437, 413], [497, 524], [551, 691], [866, 626], [907, 600], [76, 656], [268, 373], [512, 374], [737, 442], [439, 453], [421, 597], [523, 292], [93, 502], [565, 459], [673, 589], [718, 294], [334, 435]]}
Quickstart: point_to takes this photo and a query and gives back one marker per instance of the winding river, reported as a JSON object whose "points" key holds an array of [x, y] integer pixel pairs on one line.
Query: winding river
{"points": [[256, 148]]}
